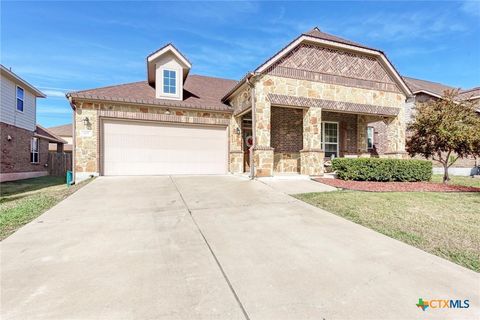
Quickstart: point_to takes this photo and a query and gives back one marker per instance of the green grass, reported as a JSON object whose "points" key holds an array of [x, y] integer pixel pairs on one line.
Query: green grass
{"points": [[23, 200], [445, 224], [458, 180]]}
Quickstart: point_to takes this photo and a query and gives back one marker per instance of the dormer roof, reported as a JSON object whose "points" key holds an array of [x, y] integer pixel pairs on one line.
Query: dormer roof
{"points": [[158, 54]]}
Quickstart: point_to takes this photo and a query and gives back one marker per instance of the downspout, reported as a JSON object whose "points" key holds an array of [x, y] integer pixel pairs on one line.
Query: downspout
{"points": [[70, 100], [254, 130]]}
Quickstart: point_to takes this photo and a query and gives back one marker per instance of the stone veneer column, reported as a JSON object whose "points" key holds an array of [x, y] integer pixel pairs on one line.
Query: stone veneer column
{"points": [[236, 152], [362, 125], [395, 132], [86, 155], [311, 157], [263, 152]]}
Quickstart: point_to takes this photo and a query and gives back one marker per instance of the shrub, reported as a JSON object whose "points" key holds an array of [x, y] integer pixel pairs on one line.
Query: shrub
{"points": [[376, 169]]}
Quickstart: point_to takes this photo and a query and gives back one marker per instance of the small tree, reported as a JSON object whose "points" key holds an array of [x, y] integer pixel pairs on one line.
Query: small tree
{"points": [[445, 130]]}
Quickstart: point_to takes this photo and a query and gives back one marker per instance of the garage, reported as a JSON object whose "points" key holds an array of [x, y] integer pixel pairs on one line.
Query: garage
{"points": [[148, 148]]}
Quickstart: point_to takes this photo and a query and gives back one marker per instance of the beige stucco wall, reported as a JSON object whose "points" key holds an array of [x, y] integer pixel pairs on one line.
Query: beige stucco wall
{"points": [[87, 148]]}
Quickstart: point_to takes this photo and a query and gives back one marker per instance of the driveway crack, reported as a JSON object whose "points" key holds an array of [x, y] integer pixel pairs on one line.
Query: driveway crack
{"points": [[235, 295]]}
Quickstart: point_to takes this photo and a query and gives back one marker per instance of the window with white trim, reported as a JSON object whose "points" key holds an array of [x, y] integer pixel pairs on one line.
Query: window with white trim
{"points": [[330, 139], [370, 134], [20, 96], [34, 150], [169, 81]]}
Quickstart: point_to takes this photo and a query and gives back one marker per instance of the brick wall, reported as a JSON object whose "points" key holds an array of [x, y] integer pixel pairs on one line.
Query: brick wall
{"points": [[347, 130], [16, 152], [287, 129]]}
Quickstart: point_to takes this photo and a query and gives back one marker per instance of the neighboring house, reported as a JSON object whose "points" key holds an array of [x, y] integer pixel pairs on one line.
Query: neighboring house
{"points": [[65, 132], [312, 100], [424, 91], [24, 144]]}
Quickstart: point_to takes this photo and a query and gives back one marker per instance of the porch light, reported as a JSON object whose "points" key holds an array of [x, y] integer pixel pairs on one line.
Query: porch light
{"points": [[86, 121], [237, 131], [167, 112]]}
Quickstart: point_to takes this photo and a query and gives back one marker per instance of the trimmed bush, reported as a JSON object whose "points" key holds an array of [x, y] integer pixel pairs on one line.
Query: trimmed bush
{"points": [[376, 169]]}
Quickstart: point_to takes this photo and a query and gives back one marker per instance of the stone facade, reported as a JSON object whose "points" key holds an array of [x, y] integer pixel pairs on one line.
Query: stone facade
{"points": [[311, 156], [87, 137], [15, 157]]}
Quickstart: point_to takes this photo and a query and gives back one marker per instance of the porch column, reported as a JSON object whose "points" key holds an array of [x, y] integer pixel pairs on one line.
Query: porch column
{"points": [[263, 152], [396, 129], [236, 153], [311, 156], [362, 125]]}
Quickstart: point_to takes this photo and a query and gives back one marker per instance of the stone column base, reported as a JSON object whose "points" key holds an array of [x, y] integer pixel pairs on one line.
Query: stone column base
{"points": [[311, 162], [263, 161], [236, 161]]}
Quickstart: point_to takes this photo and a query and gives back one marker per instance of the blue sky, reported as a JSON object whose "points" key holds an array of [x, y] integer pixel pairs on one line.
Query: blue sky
{"points": [[64, 46]]}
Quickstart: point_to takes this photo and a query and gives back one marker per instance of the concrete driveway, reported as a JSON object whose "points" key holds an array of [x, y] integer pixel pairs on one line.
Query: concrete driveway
{"points": [[215, 247]]}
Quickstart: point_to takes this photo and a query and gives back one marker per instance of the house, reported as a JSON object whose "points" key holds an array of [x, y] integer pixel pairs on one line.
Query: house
{"points": [[312, 100], [424, 91], [65, 132], [24, 144]]}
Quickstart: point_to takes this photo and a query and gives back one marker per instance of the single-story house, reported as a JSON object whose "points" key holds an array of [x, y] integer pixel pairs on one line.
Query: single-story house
{"points": [[65, 132], [312, 100], [24, 144]]}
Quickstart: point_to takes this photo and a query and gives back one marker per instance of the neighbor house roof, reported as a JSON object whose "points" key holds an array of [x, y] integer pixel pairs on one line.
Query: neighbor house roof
{"points": [[43, 133], [199, 92], [432, 88], [319, 37], [63, 130], [11, 74], [473, 93]]}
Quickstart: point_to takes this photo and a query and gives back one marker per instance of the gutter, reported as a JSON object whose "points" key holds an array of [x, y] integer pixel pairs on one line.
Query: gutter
{"points": [[250, 81], [74, 141]]}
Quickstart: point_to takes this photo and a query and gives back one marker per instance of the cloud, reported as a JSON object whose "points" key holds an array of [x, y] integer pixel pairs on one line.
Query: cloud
{"points": [[471, 7], [54, 93], [408, 25]]}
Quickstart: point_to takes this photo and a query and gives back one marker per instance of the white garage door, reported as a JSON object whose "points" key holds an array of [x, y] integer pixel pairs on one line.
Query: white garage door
{"points": [[142, 148]]}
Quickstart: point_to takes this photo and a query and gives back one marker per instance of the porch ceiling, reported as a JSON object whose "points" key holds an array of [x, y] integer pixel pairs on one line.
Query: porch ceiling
{"points": [[338, 106]]}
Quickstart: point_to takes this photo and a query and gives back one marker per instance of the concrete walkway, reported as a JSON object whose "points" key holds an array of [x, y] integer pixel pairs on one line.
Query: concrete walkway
{"points": [[215, 247]]}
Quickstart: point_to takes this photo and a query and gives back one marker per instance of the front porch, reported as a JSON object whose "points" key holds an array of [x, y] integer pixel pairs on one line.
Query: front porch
{"points": [[301, 140]]}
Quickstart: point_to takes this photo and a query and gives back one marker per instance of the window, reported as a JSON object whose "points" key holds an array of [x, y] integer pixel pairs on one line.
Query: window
{"points": [[169, 81], [34, 148], [20, 95], [370, 133], [330, 138]]}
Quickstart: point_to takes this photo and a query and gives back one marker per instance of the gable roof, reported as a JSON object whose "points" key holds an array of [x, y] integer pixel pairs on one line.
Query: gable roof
{"points": [[199, 93], [11, 74], [318, 37], [473, 93], [43, 133], [429, 87], [316, 33], [65, 130], [169, 47]]}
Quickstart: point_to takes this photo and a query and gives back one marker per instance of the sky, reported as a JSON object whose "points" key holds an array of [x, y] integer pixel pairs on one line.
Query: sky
{"points": [[64, 46]]}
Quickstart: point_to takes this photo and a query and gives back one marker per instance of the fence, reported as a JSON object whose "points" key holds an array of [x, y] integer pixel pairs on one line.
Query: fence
{"points": [[59, 163]]}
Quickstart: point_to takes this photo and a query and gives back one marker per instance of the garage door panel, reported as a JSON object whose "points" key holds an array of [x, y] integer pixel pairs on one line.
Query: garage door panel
{"points": [[135, 148]]}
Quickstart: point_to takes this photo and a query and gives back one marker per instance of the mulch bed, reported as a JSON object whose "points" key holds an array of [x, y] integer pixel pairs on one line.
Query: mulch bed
{"points": [[395, 186]]}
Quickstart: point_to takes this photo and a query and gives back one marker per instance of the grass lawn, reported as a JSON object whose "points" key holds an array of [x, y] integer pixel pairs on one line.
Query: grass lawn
{"points": [[445, 224], [458, 180], [23, 200]]}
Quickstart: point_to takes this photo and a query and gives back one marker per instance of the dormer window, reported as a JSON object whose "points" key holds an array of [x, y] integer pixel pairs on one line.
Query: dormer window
{"points": [[169, 82], [167, 70]]}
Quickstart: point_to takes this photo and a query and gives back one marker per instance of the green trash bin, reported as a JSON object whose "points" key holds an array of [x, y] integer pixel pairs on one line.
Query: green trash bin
{"points": [[69, 177]]}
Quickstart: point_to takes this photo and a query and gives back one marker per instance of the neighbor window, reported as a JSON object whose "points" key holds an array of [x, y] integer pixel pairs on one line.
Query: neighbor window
{"points": [[169, 81], [330, 138], [20, 96], [370, 133], [34, 147]]}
